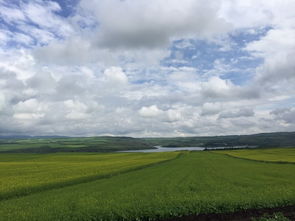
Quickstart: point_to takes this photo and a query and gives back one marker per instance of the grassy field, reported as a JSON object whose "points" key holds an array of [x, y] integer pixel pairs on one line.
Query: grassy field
{"points": [[22, 174], [270, 155], [195, 182]]}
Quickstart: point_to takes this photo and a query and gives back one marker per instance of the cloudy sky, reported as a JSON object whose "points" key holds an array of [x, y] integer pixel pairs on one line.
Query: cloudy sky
{"points": [[146, 67]]}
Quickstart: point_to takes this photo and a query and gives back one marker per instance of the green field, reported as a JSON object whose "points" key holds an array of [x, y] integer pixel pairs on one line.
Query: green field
{"points": [[280, 155], [22, 174], [193, 183]]}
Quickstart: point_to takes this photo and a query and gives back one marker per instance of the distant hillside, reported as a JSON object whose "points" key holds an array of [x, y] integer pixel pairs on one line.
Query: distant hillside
{"points": [[279, 139], [71, 144], [29, 137], [27, 144]]}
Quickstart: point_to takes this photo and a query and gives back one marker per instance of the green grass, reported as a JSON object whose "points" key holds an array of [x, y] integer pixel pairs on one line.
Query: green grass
{"points": [[196, 182], [271, 155], [22, 174]]}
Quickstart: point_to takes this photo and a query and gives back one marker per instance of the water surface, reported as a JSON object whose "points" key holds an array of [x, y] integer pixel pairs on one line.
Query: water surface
{"points": [[166, 149], [171, 149]]}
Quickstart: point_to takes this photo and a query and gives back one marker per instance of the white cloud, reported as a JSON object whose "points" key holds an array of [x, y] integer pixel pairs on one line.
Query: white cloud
{"points": [[237, 113], [131, 33], [174, 115], [149, 24], [11, 14], [211, 108], [2, 102], [279, 63], [151, 111], [217, 87], [43, 15], [287, 115], [27, 116], [34, 23], [76, 110], [29, 109], [30, 105], [115, 76], [257, 13], [101, 70]]}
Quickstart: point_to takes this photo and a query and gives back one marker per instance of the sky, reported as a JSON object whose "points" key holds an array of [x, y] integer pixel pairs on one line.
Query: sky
{"points": [[146, 68]]}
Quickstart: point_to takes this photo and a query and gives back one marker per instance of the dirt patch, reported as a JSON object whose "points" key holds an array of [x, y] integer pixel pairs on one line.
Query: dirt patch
{"points": [[245, 215]]}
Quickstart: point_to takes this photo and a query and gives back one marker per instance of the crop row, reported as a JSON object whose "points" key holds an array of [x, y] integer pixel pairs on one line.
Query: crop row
{"points": [[22, 174], [197, 182]]}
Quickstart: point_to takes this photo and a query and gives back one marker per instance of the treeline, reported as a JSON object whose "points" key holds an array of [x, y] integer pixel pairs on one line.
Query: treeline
{"points": [[279, 139], [110, 144]]}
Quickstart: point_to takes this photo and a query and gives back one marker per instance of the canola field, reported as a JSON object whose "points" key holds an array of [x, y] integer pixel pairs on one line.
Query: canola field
{"points": [[175, 184]]}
